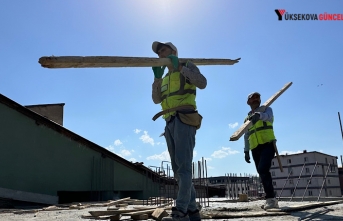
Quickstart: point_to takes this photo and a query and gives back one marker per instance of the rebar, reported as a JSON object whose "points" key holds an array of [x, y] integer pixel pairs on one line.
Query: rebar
{"points": [[309, 181], [302, 169]]}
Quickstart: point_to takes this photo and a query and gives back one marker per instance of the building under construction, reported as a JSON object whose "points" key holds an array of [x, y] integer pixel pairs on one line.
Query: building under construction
{"points": [[43, 162], [306, 174]]}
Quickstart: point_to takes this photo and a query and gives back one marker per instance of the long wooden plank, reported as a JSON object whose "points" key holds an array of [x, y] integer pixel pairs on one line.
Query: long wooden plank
{"points": [[117, 61], [139, 212], [247, 124], [113, 212], [305, 206]]}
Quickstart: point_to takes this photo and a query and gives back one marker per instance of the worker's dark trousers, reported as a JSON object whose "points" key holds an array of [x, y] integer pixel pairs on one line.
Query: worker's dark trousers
{"points": [[263, 155]]}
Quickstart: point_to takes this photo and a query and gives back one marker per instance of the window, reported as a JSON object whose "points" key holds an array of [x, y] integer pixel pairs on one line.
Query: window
{"points": [[332, 168], [290, 181], [273, 163], [307, 170], [310, 193], [329, 181], [305, 159], [309, 181], [273, 173], [289, 161], [274, 183], [326, 160], [292, 191], [290, 171], [330, 193]]}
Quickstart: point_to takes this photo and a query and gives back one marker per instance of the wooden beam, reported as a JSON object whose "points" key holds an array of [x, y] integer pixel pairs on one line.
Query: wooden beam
{"points": [[139, 212], [114, 212], [116, 61], [247, 124]]}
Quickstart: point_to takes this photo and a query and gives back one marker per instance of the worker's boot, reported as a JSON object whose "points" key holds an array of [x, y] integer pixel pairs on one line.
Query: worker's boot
{"points": [[194, 216], [176, 215], [271, 203]]}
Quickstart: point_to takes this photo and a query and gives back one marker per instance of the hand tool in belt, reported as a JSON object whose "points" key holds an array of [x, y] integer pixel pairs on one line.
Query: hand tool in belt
{"points": [[184, 107]]}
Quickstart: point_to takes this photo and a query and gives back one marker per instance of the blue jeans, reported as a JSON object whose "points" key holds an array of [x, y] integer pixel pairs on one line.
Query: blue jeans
{"points": [[180, 140], [263, 155]]}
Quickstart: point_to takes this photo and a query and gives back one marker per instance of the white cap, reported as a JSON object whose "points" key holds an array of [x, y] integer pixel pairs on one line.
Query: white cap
{"points": [[156, 43]]}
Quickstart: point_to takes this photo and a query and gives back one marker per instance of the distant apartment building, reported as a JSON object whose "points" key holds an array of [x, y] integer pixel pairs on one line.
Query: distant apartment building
{"points": [[231, 186], [307, 174]]}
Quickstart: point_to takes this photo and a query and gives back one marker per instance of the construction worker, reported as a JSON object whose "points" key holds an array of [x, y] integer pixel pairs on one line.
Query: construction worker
{"points": [[260, 140], [176, 93]]}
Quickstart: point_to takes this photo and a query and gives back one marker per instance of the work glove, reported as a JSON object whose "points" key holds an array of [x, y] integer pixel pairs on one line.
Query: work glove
{"points": [[254, 118], [158, 71], [247, 156], [175, 61]]}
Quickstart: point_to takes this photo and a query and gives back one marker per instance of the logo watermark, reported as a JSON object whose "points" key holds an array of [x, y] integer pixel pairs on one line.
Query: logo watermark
{"points": [[283, 14]]}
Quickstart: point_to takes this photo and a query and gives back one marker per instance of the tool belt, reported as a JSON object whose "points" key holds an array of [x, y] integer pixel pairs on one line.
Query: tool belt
{"points": [[190, 117], [186, 114]]}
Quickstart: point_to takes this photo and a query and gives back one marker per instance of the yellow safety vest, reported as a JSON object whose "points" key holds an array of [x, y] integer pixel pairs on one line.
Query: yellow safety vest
{"points": [[176, 91], [260, 133]]}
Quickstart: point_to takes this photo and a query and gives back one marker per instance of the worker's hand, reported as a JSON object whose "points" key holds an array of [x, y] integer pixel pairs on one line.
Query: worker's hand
{"points": [[175, 61], [247, 156], [158, 71], [254, 118]]}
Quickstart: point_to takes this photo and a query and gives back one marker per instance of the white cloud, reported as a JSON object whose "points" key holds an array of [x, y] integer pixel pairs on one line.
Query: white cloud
{"points": [[110, 148], [132, 160], [137, 131], [125, 152], [224, 152], [284, 152], [117, 142], [209, 167], [233, 125], [163, 156], [146, 138], [194, 153]]}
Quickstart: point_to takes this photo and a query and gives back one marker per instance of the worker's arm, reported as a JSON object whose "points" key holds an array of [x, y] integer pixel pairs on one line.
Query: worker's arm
{"points": [[246, 142], [192, 73], [156, 90], [267, 115]]}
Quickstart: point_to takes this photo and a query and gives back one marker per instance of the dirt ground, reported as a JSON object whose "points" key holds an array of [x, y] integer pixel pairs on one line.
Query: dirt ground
{"points": [[216, 206]]}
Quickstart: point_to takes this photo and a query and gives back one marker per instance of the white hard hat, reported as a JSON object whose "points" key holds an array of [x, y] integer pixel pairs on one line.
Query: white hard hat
{"points": [[156, 43]]}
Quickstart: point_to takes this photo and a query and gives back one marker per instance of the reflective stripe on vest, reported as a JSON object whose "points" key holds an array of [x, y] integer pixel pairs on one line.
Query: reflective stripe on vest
{"points": [[260, 133], [176, 91], [265, 126]]}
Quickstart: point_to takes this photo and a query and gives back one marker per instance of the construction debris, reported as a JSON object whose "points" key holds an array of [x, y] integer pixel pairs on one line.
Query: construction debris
{"points": [[230, 209]]}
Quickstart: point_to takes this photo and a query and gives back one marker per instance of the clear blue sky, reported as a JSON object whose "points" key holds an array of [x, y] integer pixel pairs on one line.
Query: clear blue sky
{"points": [[113, 107]]}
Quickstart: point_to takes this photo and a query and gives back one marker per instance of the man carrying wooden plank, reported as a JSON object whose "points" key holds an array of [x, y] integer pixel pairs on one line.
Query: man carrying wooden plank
{"points": [[176, 93], [260, 139]]}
